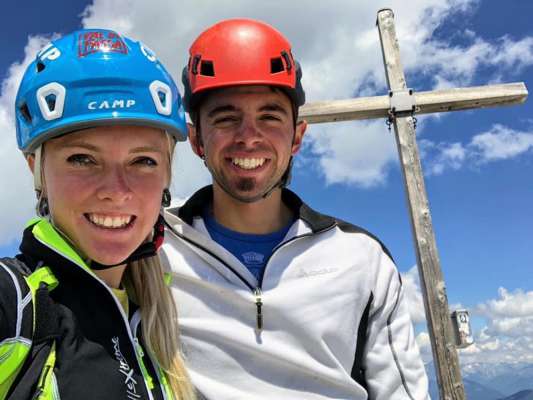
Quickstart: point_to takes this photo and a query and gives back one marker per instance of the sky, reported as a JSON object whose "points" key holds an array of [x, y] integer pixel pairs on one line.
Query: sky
{"points": [[477, 164]]}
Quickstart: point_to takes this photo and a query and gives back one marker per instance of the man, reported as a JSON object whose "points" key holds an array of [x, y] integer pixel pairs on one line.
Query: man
{"points": [[276, 301]]}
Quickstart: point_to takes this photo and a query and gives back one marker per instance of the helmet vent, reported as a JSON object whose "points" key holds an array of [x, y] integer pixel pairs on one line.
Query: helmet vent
{"points": [[25, 111], [287, 58], [51, 101], [207, 68], [194, 64], [40, 66], [276, 65], [161, 95]]}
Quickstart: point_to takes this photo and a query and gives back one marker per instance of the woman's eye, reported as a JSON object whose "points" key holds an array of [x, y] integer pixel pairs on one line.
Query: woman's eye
{"points": [[146, 161], [80, 160]]}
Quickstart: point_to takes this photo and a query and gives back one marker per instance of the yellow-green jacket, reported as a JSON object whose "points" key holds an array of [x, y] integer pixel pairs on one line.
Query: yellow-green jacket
{"points": [[63, 334]]}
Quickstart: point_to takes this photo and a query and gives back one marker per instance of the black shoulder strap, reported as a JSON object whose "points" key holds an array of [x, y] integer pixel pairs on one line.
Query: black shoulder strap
{"points": [[358, 372], [46, 332]]}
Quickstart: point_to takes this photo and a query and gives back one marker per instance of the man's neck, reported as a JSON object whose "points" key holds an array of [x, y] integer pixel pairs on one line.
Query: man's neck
{"points": [[260, 217]]}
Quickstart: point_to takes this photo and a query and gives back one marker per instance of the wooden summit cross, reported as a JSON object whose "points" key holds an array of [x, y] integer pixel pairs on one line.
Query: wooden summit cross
{"points": [[400, 106]]}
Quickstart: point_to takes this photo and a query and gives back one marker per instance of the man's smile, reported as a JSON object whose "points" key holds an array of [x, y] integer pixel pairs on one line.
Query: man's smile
{"points": [[248, 163]]}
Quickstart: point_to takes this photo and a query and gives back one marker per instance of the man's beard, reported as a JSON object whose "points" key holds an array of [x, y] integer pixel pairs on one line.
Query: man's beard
{"points": [[243, 185], [246, 184]]}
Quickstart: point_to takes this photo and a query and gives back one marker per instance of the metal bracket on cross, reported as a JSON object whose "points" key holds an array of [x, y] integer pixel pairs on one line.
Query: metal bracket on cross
{"points": [[402, 103]]}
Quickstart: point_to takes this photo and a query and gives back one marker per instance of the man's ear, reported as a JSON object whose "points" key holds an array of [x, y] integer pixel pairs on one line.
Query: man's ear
{"points": [[31, 162], [195, 141], [301, 127]]}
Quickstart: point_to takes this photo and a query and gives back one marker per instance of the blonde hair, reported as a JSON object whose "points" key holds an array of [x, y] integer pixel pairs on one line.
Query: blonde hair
{"points": [[145, 283]]}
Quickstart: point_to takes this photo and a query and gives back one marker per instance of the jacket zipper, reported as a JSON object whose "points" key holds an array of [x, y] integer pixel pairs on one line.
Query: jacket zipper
{"points": [[119, 306], [257, 291], [259, 305]]}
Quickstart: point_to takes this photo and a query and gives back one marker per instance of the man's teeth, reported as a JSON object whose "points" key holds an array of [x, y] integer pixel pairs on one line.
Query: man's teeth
{"points": [[248, 163], [110, 222]]}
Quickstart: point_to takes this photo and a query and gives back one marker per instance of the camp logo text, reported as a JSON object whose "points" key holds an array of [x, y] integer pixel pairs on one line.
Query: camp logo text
{"points": [[110, 104]]}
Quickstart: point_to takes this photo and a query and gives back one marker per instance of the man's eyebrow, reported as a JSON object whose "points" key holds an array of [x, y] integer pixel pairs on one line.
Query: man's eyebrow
{"points": [[221, 109], [274, 107]]}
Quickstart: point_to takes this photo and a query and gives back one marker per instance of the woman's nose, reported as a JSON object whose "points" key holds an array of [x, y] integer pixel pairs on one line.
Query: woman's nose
{"points": [[114, 186]]}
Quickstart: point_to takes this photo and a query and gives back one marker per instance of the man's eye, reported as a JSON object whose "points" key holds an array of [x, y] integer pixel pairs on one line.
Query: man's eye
{"points": [[225, 120], [270, 117], [80, 160]]}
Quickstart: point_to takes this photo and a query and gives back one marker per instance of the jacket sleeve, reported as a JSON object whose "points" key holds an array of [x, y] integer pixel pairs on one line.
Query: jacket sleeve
{"points": [[392, 363], [15, 325]]}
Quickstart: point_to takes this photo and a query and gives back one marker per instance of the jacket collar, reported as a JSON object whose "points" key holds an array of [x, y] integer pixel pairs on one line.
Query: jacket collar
{"points": [[197, 202], [41, 242]]}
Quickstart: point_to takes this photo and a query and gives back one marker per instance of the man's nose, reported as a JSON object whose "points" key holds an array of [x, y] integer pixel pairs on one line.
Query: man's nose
{"points": [[249, 133]]}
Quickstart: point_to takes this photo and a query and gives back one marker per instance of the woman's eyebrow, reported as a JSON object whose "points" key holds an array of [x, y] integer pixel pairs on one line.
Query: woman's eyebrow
{"points": [[91, 147], [147, 149], [84, 145]]}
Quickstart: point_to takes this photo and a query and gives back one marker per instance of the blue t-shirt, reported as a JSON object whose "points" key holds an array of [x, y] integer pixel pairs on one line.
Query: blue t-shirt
{"points": [[251, 249]]}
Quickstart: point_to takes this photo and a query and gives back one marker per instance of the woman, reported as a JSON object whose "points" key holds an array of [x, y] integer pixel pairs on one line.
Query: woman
{"points": [[97, 119]]}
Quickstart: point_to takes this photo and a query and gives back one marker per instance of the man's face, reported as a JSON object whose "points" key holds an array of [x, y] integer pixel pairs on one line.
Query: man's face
{"points": [[247, 139]]}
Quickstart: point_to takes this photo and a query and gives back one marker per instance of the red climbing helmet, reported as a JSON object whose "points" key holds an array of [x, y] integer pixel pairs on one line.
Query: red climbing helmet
{"points": [[241, 52]]}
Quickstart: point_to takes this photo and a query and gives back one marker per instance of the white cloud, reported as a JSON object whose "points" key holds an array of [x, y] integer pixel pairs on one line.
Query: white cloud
{"points": [[413, 295], [514, 304], [339, 50], [354, 153], [339, 59], [499, 143], [424, 345], [510, 315], [507, 335], [450, 155], [17, 199]]}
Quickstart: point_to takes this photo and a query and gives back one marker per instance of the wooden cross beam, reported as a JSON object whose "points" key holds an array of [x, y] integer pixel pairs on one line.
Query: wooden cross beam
{"points": [[432, 282]]}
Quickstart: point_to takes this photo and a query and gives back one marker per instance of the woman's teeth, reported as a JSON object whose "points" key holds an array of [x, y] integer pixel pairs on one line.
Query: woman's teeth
{"points": [[248, 163], [110, 222]]}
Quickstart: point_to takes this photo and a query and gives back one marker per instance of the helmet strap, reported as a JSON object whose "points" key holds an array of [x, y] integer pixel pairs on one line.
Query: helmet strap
{"points": [[166, 199], [37, 170]]}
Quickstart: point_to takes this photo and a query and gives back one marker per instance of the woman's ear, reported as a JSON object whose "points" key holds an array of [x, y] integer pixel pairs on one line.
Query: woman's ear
{"points": [[31, 162]]}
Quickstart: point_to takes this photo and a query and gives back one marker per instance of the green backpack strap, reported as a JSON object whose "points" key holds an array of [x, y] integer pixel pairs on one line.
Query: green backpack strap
{"points": [[15, 348], [35, 377], [43, 274]]}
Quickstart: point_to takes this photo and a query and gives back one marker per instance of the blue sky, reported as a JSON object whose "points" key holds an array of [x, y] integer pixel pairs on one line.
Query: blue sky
{"points": [[478, 164]]}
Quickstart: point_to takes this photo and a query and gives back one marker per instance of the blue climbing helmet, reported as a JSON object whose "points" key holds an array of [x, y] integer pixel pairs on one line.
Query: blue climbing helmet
{"points": [[95, 77]]}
